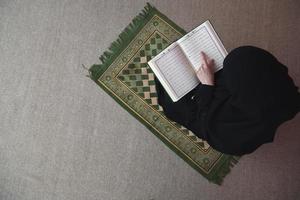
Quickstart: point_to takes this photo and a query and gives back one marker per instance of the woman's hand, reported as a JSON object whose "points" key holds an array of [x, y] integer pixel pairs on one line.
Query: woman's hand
{"points": [[205, 72]]}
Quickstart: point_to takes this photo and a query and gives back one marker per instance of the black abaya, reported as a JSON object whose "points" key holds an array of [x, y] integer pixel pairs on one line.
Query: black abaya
{"points": [[253, 94]]}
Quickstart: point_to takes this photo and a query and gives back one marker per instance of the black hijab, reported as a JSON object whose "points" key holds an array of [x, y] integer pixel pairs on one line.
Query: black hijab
{"points": [[253, 97], [253, 94], [256, 78]]}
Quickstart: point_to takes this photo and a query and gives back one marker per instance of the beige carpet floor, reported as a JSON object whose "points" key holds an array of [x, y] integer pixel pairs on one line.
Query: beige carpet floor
{"points": [[62, 137]]}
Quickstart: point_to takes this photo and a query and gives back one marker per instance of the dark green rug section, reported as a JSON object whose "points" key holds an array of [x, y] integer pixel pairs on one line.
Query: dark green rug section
{"points": [[125, 75]]}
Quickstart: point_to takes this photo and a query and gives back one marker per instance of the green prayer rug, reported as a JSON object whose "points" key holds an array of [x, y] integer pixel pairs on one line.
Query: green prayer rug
{"points": [[125, 75]]}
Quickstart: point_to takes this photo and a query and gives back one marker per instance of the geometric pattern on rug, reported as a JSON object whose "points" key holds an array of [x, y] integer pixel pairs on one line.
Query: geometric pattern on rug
{"points": [[140, 78], [125, 75]]}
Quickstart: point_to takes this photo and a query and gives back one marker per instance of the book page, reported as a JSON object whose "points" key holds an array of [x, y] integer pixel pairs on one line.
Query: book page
{"points": [[177, 71], [202, 39]]}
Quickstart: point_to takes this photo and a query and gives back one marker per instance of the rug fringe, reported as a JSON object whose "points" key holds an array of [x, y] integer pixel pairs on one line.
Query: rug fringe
{"points": [[84, 67], [225, 169], [121, 43]]}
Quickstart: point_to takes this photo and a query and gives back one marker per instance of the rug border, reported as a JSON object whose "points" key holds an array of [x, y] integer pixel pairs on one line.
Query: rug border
{"points": [[226, 162]]}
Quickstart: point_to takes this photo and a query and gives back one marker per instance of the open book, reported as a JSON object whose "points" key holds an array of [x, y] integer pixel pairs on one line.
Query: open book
{"points": [[176, 66]]}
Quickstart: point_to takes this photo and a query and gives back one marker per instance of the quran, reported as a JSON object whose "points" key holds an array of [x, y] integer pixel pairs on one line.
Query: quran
{"points": [[175, 67]]}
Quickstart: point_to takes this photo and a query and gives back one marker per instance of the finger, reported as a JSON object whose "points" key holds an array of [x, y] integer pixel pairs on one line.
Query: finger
{"points": [[199, 68], [203, 58], [206, 58], [210, 61], [212, 65]]}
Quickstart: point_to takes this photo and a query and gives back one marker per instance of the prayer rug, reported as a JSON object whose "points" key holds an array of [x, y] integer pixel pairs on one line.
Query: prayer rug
{"points": [[125, 75]]}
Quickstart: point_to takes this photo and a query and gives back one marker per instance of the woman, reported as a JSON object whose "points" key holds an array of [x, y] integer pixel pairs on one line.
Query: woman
{"points": [[238, 108]]}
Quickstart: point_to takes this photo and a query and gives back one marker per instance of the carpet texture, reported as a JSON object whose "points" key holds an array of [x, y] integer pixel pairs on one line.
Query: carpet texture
{"points": [[63, 138], [126, 76]]}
